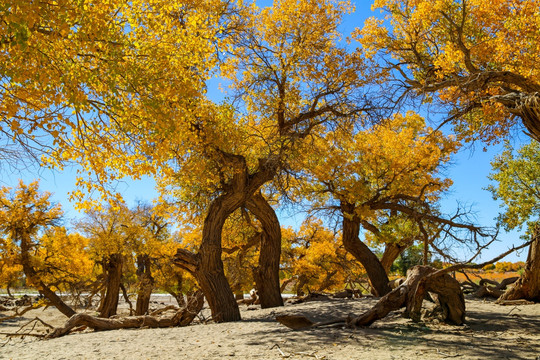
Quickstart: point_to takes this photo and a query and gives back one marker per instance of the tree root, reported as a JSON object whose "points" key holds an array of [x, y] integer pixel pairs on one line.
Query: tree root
{"points": [[182, 317]]}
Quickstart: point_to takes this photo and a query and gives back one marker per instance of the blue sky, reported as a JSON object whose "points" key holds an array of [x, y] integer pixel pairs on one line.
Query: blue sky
{"points": [[469, 172]]}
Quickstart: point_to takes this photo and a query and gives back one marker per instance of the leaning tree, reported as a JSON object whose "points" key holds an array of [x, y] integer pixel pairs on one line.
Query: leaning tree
{"points": [[24, 214], [385, 180]]}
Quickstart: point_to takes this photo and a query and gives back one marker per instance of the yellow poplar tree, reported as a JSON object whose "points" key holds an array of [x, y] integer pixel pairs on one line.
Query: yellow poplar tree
{"points": [[478, 58]]}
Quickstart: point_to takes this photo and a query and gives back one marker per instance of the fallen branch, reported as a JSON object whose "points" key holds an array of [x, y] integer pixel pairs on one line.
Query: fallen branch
{"points": [[22, 334], [22, 312], [182, 317]]}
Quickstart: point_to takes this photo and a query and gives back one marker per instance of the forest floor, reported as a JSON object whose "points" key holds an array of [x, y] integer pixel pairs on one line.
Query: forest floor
{"points": [[491, 332]]}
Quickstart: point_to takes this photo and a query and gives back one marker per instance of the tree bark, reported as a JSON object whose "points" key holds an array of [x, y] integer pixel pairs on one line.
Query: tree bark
{"points": [[411, 294], [112, 267], [375, 271], [391, 253], [267, 272], [145, 286], [527, 287], [206, 265]]}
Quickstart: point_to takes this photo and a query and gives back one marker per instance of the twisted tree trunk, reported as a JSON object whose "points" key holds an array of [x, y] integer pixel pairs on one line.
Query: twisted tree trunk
{"points": [[410, 295], [206, 265], [267, 272]]}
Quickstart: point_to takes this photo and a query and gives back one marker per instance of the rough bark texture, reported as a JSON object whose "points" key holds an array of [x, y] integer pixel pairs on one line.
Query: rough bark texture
{"points": [[146, 284], [206, 265], [112, 267], [267, 272], [528, 285], [375, 271], [182, 317], [411, 294]]}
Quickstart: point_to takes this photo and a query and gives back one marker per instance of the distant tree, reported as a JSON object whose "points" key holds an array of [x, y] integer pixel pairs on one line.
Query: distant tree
{"points": [[24, 214], [517, 177]]}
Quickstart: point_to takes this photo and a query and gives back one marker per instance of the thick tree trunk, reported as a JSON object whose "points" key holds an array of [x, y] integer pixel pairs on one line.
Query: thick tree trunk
{"points": [[35, 280], [375, 271], [206, 265], [145, 286], [267, 273], [112, 267], [209, 271], [528, 285]]}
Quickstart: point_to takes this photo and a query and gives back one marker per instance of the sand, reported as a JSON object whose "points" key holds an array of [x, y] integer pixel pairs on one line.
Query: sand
{"points": [[492, 332]]}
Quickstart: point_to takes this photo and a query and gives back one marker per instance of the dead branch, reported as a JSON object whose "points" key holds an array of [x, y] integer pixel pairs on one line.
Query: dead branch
{"points": [[410, 294], [21, 312], [162, 310], [182, 317]]}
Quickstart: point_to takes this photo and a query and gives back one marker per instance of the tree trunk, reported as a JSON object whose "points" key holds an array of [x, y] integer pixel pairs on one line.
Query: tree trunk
{"points": [[375, 271], [528, 285], [112, 267], [302, 280], [209, 272], [145, 286], [391, 253], [34, 279], [206, 265], [267, 273]]}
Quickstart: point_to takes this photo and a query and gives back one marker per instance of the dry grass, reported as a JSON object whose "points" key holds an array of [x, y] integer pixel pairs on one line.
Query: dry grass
{"points": [[477, 275]]}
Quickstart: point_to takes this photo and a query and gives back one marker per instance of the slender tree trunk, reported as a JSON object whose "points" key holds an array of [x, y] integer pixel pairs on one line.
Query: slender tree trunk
{"points": [[375, 271], [35, 280], [178, 294], [426, 252], [267, 273], [146, 284], [112, 267], [528, 285], [302, 280]]}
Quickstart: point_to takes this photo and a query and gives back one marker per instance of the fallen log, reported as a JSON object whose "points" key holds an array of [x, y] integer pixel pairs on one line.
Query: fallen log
{"points": [[182, 317], [410, 294]]}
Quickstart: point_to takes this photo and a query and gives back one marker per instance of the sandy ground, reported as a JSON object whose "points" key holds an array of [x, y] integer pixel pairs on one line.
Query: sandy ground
{"points": [[492, 332]]}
